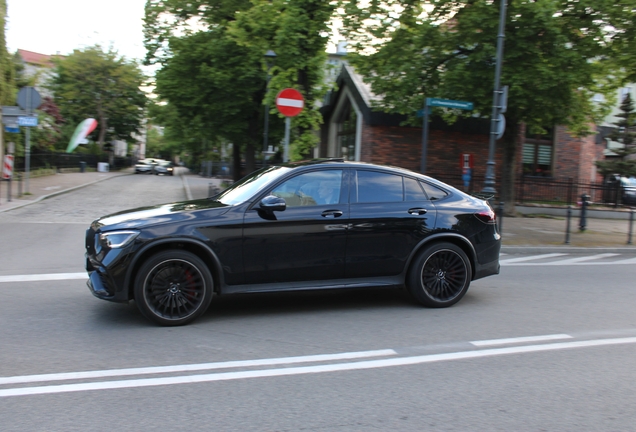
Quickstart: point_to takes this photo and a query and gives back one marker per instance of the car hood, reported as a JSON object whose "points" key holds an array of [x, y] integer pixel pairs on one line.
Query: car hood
{"points": [[153, 215]]}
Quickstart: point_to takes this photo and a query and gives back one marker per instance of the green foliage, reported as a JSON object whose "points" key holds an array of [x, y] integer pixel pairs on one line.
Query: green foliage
{"points": [[214, 75], [625, 133], [7, 69], [91, 83], [557, 55]]}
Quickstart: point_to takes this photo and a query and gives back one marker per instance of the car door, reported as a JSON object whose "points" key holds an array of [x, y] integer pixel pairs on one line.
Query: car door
{"points": [[389, 215], [304, 242]]}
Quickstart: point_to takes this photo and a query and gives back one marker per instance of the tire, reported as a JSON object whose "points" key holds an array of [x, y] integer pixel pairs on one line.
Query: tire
{"points": [[173, 288], [440, 275]]}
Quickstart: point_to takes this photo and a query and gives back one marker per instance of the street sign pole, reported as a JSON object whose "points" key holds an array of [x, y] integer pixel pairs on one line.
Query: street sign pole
{"points": [[489, 182], [424, 137], [290, 103], [28, 99], [287, 127]]}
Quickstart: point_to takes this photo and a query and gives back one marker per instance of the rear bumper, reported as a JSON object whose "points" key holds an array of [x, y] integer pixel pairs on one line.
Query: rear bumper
{"points": [[487, 269]]}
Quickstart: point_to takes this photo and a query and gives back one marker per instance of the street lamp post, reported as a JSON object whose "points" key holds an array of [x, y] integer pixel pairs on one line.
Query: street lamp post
{"points": [[489, 183], [270, 57]]}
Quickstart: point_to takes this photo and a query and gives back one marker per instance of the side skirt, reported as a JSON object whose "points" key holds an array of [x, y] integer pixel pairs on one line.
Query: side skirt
{"points": [[392, 281]]}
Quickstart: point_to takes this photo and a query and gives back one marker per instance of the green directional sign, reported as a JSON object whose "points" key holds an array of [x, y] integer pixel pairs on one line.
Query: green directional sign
{"points": [[447, 103]]}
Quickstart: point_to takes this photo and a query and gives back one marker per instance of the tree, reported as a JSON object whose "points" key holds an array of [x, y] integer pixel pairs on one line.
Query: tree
{"points": [[91, 83], [215, 76], [625, 133], [7, 69], [298, 31], [557, 55]]}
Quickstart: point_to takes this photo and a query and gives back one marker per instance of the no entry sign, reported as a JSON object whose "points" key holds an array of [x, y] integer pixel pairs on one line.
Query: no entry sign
{"points": [[290, 102]]}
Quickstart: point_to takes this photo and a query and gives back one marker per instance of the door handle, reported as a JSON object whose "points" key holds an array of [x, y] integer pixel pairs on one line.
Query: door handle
{"points": [[331, 214], [417, 211]]}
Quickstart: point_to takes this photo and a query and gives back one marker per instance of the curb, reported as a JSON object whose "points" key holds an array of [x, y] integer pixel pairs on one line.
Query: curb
{"points": [[568, 249]]}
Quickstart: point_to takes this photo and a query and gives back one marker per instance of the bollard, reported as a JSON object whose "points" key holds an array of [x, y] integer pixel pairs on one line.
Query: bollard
{"points": [[501, 214], [585, 199], [567, 225], [19, 184], [631, 223]]}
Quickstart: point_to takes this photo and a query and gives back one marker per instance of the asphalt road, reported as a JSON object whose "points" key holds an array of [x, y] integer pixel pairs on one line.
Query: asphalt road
{"points": [[549, 344]]}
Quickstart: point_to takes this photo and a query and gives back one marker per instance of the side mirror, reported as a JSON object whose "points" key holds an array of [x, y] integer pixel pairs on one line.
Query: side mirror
{"points": [[273, 203]]}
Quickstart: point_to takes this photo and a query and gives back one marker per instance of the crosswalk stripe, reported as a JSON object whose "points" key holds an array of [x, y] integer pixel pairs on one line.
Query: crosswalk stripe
{"points": [[531, 258]]}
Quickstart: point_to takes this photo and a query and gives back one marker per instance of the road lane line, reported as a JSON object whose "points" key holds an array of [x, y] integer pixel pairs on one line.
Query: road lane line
{"points": [[43, 277], [301, 370], [530, 258], [582, 259], [524, 339], [193, 367]]}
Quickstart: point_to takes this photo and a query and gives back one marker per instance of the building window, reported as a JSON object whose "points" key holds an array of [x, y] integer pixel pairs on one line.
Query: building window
{"points": [[346, 140], [538, 149]]}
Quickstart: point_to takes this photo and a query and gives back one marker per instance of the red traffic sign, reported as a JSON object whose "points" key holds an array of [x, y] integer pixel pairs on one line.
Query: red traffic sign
{"points": [[290, 102]]}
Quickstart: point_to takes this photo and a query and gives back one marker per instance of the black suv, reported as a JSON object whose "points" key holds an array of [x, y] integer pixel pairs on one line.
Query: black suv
{"points": [[298, 226]]}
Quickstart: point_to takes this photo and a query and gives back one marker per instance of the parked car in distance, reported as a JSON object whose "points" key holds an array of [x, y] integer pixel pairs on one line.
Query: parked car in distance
{"points": [[628, 186], [324, 224], [164, 167], [145, 166]]}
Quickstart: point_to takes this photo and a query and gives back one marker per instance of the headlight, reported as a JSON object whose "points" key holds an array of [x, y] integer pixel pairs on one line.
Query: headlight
{"points": [[114, 239]]}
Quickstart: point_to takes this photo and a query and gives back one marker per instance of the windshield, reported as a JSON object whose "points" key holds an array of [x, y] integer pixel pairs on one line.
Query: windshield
{"points": [[248, 186]]}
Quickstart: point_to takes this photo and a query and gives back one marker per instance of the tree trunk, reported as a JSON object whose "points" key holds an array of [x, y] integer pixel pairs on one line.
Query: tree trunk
{"points": [[236, 158]]}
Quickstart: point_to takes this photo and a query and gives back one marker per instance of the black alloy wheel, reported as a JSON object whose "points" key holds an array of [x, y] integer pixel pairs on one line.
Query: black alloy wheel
{"points": [[440, 275], [173, 288]]}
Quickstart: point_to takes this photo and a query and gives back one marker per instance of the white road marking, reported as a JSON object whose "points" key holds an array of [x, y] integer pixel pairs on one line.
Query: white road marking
{"points": [[43, 277], [525, 339], [581, 259], [530, 258], [193, 367], [339, 367]]}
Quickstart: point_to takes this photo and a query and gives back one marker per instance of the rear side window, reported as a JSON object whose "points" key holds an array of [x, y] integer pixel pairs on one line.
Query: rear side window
{"points": [[413, 191], [376, 187], [434, 193]]}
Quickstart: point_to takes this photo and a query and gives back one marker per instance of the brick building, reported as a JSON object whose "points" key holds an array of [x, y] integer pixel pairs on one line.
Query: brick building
{"points": [[354, 130]]}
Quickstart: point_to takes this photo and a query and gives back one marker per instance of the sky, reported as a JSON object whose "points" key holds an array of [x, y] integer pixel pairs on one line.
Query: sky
{"points": [[52, 26]]}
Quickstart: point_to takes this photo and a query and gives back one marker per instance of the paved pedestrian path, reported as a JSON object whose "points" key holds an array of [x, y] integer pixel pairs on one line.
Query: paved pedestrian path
{"points": [[532, 232]]}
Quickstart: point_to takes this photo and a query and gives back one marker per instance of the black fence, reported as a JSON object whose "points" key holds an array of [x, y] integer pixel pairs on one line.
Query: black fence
{"points": [[549, 190], [64, 161]]}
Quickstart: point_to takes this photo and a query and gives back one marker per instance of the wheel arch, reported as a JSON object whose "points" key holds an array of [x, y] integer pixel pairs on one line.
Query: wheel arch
{"points": [[196, 247], [458, 240]]}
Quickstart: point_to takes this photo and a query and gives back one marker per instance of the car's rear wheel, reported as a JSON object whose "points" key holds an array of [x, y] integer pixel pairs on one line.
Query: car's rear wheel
{"points": [[173, 288], [440, 275]]}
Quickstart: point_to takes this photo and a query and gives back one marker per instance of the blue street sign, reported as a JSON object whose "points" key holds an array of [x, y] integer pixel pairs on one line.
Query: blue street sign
{"points": [[27, 121], [447, 103], [11, 129]]}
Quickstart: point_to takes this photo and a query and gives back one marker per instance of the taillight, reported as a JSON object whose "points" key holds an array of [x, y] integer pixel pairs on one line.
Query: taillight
{"points": [[487, 216]]}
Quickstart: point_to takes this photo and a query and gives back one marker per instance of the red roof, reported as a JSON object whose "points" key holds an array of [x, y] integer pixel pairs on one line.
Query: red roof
{"points": [[35, 58]]}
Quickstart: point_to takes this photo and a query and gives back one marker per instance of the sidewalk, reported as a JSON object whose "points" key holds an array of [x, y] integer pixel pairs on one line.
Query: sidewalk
{"points": [[537, 232], [51, 185]]}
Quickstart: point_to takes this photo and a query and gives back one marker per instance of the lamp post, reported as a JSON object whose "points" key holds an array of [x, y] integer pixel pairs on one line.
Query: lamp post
{"points": [[489, 183], [270, 57]]}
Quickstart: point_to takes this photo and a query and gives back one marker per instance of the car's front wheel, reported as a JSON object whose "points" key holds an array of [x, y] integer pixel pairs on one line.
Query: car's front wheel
{"points": [[173, 288], [440, 275]]}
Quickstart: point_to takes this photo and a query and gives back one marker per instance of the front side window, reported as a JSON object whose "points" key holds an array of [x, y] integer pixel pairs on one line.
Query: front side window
{"points": [[312, 188]]}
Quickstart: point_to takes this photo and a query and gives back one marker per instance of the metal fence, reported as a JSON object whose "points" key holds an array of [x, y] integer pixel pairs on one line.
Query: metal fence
{"points": [[64, 161], [545, 190], [527, 189]]}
